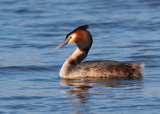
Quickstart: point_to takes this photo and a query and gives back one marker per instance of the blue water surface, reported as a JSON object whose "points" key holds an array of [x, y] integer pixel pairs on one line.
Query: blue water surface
{"points": [[30, 30]]}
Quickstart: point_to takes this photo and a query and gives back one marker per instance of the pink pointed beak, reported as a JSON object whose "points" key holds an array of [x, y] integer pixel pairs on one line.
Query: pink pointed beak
{"points": [[61, 45]]}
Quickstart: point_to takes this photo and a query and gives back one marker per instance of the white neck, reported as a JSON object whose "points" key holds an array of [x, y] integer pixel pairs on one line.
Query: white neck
{"points": [[74, 59]]}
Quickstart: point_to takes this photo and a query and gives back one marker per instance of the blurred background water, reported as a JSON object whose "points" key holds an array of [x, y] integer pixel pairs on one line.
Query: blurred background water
{"points": [[30, 30]]}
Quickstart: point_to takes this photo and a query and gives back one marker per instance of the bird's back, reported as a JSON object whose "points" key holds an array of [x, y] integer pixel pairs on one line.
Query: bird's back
{"points": [[105, 69]]}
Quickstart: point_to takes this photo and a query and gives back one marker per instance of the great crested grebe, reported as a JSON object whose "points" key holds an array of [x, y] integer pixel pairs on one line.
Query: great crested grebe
{"points": [[73, 67]]}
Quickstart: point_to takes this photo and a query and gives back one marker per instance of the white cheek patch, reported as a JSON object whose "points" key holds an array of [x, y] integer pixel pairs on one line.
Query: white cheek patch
{"points": [[71, 41]]}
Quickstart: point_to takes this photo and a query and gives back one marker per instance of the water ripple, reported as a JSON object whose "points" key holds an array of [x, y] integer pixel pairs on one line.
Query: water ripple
{"points": [[20, 98], [29, 68], [30, 46]]}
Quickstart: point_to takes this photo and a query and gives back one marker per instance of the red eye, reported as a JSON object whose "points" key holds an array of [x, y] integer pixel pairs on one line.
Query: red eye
{"points": [[70, 37]]}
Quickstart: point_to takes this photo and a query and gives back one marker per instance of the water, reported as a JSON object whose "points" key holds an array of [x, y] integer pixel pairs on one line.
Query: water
{"points": [[30, 30]]}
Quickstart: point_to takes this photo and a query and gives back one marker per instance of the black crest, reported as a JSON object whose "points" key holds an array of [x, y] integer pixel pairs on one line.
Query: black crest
{"points": [[83, 27]]}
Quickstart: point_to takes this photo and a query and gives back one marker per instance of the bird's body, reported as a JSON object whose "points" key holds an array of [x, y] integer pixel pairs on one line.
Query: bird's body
{"points": [[73, 68]]}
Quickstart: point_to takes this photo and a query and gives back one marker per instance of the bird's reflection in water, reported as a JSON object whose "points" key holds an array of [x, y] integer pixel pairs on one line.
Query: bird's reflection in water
{"points": [[84, 89], [107, 82]]}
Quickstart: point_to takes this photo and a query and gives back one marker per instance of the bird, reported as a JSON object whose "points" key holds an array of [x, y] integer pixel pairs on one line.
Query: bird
{"points": [[74, 68]]}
